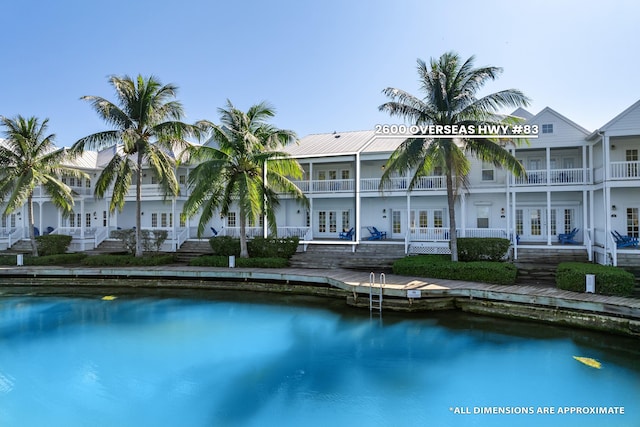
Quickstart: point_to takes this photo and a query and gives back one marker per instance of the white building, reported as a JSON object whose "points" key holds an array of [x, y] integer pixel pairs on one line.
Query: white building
{"points": [[576, 180]]}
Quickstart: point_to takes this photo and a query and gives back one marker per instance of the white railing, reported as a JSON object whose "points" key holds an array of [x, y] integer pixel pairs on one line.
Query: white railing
{"points": [[430, 234], [589, 243], [302, 185], [235, 232], [331, 185], [299, 232], [625, 170], [614, 250], [483, 232], [100, 235], [554, 177], [395, 184], [303, 233], [16, 235], [373, 184], [183, 235]]}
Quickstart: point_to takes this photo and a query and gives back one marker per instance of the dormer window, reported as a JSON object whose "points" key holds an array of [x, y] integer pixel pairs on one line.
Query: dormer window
{"points": [[547, 128]]}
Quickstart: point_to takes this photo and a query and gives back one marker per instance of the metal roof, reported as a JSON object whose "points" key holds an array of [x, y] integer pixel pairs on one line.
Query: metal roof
{"points": [[330, 144]]}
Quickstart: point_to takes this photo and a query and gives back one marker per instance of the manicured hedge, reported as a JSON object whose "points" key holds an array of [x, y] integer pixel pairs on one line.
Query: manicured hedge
{"points": [[441, 267], [53, 244], [571, 276], [482, 248], [258, 247], [272, 247], [127, 260], [223, 261], [60, 259]]}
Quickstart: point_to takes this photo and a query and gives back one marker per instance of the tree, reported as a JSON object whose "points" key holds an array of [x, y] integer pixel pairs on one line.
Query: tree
{"points": [[232, 165], [28, 159], [450, 88], [147, 129]]}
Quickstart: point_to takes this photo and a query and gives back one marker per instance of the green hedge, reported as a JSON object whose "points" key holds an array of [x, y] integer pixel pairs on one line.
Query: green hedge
{"points": [[610, 280], [258, 247], [223, 261], [482, 248], [127, 260], [59, 259], [441, 267], [272, 247], [53, 244]]}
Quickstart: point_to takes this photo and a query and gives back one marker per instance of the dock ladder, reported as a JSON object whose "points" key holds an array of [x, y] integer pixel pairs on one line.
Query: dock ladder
{"points": [[375, 298]]}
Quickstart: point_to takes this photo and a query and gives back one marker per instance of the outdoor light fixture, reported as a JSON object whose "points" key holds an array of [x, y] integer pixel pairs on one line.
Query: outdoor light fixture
{"points": [[384, 211], [613, 207], [501, 212]]}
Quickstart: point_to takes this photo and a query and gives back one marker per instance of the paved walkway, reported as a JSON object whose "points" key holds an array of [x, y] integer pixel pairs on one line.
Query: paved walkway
{"points": [[359, 282]]}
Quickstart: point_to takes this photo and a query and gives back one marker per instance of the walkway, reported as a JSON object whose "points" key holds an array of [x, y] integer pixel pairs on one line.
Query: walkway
{"points": [[357, 282]]}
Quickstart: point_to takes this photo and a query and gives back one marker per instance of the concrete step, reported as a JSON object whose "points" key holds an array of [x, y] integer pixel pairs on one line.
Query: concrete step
{"points": [[369, 257], [192, 249]]}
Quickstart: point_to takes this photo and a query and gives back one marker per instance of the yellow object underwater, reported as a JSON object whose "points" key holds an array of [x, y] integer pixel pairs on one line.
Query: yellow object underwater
{"points": [[108, 298], [588, 361]]}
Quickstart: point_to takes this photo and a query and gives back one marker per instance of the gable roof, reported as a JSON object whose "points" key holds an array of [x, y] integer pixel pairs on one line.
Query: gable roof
{"points": [[617, 120], [565, 119]]}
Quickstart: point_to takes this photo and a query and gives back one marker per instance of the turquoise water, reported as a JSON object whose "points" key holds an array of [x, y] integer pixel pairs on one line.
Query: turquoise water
{"points": [[171, 362]]}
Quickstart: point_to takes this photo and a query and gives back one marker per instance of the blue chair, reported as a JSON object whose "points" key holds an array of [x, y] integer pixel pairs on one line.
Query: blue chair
{"points": [[376, 234], [347, 235], [624, 241], [568, 237], [214, 231]]}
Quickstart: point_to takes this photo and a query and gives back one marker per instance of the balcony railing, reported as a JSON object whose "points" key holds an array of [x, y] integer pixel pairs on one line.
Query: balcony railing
{"points": [[554, 177], [435, 234], [400, 184], [301, 232], [625, 170]]}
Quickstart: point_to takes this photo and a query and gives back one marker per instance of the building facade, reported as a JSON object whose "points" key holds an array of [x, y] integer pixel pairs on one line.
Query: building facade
{"points": [[580, 184]]}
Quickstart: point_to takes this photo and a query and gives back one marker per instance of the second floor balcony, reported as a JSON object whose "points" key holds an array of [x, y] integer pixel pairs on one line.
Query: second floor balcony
{"points": [[573, 176], [625, 170], [370, 185]]}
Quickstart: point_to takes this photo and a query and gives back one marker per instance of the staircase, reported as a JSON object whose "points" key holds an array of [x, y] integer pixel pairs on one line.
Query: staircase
{"points": [[192, 249], [537, 267], [110, 246], [368, 256], [21, 247]]}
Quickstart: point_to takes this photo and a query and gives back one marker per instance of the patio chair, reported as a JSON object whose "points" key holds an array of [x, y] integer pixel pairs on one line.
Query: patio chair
{"points": [[624, 241], [347, 235], [375, 234], [568, 237], [214, 231]]}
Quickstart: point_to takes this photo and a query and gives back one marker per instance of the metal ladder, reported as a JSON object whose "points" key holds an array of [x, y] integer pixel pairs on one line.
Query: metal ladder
{"points": [[375, 299]]}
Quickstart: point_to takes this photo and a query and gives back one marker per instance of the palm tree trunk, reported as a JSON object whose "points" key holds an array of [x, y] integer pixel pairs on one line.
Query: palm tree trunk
{"points": [[244, 252], [451, 201], [32, 233], [139, 207]]}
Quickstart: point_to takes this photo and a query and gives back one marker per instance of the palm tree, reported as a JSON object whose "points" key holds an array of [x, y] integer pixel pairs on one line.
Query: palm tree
{"points": [[29, 159], [450, 87], [147, 129], [233, 173]]}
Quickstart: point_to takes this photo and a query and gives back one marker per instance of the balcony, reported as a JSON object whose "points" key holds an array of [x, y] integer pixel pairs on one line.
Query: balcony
{"points": [[401, 184], [554, 177], [625, 170]]}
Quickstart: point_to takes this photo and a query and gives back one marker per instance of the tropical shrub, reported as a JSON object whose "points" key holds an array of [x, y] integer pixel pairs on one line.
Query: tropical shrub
{"points": [[53, 244], [482, 248], [441, 267], [571, 276], [223, 261], [128, 260]]}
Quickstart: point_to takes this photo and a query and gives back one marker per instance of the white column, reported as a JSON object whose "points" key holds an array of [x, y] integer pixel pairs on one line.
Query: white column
{"points": [[513, 221], [358, 202], [463, 215], [548, 155], [606, 192], [173, 223], [265, 226], [549, 217]]}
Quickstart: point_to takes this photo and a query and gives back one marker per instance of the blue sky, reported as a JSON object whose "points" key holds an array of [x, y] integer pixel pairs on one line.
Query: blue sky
{"points": [[322, 65]]}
